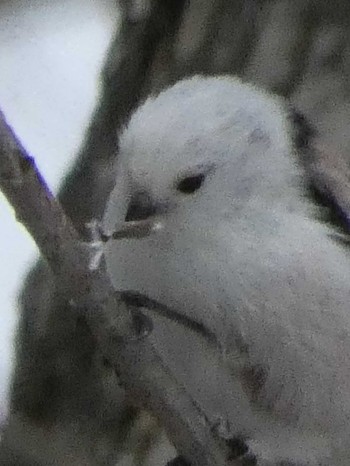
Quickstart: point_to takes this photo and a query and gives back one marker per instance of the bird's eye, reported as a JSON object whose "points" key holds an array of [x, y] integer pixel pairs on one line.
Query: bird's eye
{"points": [[190, 184]]}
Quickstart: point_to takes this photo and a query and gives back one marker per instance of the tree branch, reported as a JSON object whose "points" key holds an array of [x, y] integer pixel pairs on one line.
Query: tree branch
{"points": [[141, 371], [33, 202]]}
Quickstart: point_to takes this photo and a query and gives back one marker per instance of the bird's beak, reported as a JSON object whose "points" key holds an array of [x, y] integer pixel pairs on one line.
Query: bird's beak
{"points": [[137, 229], [140, 219]]}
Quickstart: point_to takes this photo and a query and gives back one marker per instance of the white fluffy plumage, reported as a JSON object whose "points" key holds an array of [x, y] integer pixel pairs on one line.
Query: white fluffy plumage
{"points": [[236, 245]]}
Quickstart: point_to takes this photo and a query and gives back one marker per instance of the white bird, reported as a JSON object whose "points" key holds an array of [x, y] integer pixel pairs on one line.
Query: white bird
{"points": [[226, 234]]}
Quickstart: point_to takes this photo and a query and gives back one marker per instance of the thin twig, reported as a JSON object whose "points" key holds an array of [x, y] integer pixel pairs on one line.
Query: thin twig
{"points": [[34, 204], [139, 300], [141, 371]]}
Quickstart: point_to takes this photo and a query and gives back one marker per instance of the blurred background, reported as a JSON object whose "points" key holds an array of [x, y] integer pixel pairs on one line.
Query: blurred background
{"points": [[49, 83], [66, 404]]}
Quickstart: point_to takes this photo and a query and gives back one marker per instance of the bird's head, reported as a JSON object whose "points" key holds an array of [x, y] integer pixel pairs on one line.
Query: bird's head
{"points": [[203, 147]]}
